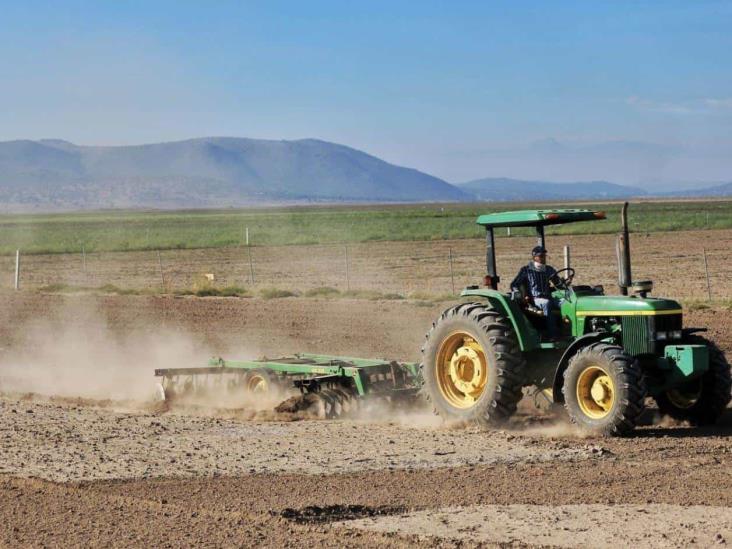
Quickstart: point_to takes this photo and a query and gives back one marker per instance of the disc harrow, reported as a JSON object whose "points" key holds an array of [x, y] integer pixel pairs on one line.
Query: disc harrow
{"points": [[324, 386]]}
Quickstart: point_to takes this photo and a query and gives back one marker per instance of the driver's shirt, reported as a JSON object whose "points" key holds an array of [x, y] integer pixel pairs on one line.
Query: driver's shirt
{"points": [[536, 281]]}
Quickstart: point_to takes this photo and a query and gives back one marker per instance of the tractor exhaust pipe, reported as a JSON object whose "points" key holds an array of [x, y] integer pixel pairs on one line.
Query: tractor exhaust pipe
{"points": [[622, 250]]}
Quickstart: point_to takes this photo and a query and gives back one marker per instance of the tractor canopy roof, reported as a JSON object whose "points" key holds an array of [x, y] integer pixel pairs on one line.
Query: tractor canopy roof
{"points": [[537, 218]]}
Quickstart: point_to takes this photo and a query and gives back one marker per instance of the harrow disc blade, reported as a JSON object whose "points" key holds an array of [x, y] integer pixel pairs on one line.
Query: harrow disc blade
{"points": [[159, 395], [325, 404]]}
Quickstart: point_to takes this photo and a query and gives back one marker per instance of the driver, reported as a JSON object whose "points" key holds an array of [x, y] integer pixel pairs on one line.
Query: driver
{"points": [[536, 276]]}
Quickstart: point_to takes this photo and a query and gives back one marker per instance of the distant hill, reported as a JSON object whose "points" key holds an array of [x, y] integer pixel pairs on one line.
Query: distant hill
{"points": [[215, 171], [725, 189], [503, 189]]}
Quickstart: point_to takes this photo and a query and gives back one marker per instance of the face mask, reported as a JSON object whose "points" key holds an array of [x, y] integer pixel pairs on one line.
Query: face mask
{"points": [[539, 266]]}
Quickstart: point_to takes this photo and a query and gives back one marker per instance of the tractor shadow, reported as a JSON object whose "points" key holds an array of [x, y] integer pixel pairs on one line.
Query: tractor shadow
{"points": [[652, 425]]}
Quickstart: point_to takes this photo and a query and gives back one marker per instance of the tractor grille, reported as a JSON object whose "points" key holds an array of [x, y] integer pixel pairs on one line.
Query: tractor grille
{"points": [[637, 337], [639, 332]]}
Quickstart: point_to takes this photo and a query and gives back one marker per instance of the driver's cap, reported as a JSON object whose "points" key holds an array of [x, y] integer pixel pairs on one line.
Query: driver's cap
{"points": [[538, 250]]}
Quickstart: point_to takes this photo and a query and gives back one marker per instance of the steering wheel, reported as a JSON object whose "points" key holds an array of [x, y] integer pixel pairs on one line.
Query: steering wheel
{"points": [[563, 283]]}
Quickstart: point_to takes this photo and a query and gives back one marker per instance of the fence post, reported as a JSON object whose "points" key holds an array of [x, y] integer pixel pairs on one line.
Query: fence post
{"points": [[83, 261], [17, 269], [452, 272], [706, 271], [251, 264], [508, 231], [348, 270], [160, 266], [566, 257]]}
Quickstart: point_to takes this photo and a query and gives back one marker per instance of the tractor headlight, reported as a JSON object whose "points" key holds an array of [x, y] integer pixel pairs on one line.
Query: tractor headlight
{"points": [[676, 334], [661, 336]]}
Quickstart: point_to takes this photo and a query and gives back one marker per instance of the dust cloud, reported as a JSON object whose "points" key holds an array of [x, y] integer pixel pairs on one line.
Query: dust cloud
{"points": [[226, 397], [415, 414], [74, 353], [559, 427], [419, 415]]}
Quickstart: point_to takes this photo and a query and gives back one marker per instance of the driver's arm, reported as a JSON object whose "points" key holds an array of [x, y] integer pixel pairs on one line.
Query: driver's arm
{"points": [[521, 278], [552, 273]]}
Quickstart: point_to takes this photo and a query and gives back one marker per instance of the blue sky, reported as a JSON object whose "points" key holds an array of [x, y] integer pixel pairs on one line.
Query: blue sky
{"points": [[634, 92]]}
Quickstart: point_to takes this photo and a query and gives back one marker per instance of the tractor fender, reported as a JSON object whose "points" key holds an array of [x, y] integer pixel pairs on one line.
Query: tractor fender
{"points": [[569, 352], [527, 337]]}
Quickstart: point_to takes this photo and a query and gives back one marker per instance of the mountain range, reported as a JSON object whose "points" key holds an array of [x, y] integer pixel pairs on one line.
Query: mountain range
{"points": [[206, 172], [54, 174], [503, 189], [725, 189]]}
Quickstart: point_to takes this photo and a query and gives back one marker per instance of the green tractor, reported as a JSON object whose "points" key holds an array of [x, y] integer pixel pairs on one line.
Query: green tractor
{"points": [[612, 353]]}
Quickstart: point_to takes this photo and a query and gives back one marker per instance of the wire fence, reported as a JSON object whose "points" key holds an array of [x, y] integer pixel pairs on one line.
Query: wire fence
{"points": [[405, 268]]}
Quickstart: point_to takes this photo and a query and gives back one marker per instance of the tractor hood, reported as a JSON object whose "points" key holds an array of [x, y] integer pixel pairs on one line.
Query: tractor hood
{"points": [[600, 305]]}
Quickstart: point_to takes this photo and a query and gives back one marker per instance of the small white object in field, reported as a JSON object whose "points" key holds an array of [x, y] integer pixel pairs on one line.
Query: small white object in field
{"points": [[210, 277]]}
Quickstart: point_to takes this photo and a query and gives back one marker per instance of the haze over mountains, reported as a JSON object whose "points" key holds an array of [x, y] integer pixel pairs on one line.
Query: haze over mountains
{"points": [[504, 189], [222, 171]]}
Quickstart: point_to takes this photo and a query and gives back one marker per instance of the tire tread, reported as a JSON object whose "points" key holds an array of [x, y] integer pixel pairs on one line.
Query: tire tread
{"points": [[509, 361]]}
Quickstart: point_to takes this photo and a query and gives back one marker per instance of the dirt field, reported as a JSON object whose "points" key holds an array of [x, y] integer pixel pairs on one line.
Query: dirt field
{"points": [[87, 459]]}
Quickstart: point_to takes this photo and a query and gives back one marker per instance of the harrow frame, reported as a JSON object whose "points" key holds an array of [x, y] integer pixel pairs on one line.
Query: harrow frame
{"points": [[309, 372]]}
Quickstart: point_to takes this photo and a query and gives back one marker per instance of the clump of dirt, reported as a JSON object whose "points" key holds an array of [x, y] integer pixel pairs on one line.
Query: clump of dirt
{"points": [[315, 514], [304, 406]]}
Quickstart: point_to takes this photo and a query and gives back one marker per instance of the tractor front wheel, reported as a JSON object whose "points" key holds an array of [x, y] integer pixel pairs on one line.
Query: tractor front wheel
{"points": [[703, 400], [472, 366], [604, 390]]}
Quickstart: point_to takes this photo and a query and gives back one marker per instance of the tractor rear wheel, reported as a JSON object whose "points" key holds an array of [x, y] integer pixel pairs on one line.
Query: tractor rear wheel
{"points": [[603, 389], [472, 366], [703, 400]]}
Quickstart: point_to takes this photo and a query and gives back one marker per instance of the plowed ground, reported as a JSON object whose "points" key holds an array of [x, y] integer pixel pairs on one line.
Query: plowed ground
{"points": [[97, 464]]}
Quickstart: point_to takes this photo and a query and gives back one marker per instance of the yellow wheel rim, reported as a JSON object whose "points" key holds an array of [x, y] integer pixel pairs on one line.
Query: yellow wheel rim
{"points": [[257, 384], [595, 392], [462, 371]]}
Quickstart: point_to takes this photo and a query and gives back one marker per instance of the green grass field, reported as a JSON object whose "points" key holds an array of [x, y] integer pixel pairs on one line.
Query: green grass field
{"points": [[119, 231]]}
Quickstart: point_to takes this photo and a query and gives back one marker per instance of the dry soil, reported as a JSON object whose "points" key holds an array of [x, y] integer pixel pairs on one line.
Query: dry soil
{"points": [[85, 461]]}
